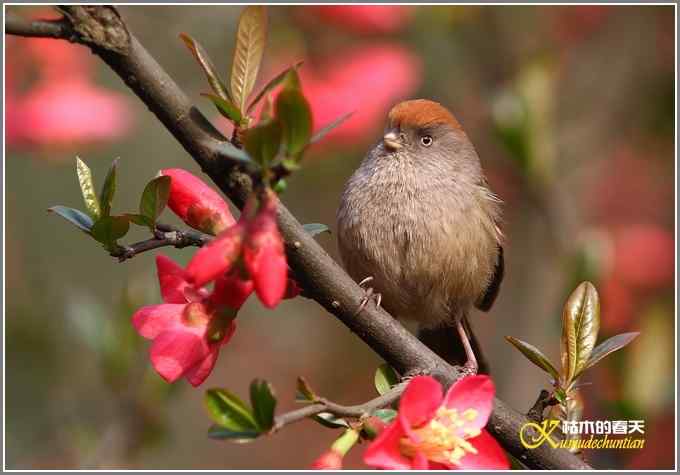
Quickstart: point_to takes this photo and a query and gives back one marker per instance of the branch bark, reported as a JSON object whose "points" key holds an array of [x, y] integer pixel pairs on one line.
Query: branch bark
{"points": [[321, 277], [166, 235]]}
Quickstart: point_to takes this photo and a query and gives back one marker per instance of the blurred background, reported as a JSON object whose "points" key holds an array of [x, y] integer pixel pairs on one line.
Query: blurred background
{"points": [[571, 111]]}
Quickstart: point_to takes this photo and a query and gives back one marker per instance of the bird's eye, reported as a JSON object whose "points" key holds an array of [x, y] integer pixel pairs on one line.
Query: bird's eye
{"points": [[426, 140]]}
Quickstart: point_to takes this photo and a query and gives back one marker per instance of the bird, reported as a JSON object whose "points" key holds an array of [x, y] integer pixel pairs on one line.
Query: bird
{"points": [[418, 220]]}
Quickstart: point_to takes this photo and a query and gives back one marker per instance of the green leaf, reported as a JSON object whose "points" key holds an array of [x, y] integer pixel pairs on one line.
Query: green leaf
{"points": [[385, 415], [304, 391], [263, 142], [280, 186], [329, 420], [293, 110], [73, 216], [228, 411], [87, 188], [224, 107], [385, 378], [272, 84], [263, 401], [221, 433], [535, 356], [140, 220], [108, 190], [609, 346], [109, 229], [155, 197], [316, 228], [208, 67], [251, 38], [580, 325], [325, 130]]}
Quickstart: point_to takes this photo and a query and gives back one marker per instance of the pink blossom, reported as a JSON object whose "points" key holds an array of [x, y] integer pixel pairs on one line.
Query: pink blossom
{"points": [[436, 431], [189, 328], [363, 18]]}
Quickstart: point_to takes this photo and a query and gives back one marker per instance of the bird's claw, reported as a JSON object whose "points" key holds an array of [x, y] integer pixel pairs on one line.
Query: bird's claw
{"points": [[370, 294]]}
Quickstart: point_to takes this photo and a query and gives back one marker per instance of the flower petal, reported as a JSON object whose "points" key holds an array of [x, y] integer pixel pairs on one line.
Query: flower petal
{"points": [[202, 370], [420, 461], [231, 290], [420, 400], [172, 280], [216, 257], [175, 352], [489, 456], [472, 392], [151, 320], [384, 450]]}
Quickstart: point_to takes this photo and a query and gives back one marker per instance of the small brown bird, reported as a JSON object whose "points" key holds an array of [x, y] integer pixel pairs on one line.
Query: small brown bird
{"points": [[418, 218]]}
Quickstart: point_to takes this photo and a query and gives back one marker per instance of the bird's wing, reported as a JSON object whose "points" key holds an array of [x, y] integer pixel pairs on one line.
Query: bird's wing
{"points": [[487, 299]]}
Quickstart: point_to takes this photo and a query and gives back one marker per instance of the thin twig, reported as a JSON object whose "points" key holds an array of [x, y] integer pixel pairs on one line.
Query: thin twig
{"points": [[166, 235], [59, 29], [324, 405]]}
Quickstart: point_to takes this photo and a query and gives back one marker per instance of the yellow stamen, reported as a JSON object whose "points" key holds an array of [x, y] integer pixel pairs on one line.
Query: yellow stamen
{"points": [[439, 440]]}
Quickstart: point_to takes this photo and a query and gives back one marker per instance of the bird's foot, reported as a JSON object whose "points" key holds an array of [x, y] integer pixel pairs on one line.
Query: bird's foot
{"points": [[369, 294]]}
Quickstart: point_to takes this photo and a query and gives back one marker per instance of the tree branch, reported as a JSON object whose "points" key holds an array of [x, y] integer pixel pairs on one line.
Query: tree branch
{"points": [[60, 29], [324, 405], [318, 273], [166, 235]]}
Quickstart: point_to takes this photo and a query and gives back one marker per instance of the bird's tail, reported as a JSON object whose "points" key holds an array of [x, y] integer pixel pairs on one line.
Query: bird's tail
{"points": [[445, 341]]}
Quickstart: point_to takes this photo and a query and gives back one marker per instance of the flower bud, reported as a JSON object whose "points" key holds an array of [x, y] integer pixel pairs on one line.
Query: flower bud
{"points": [[196, 203], [329, 460], [216, 257], [264, 254]]}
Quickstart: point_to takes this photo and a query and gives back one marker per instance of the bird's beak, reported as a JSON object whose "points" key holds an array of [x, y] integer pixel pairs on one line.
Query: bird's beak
{"points": [[392, 141]]}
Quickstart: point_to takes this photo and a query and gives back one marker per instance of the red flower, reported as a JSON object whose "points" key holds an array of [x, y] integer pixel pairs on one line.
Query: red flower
{"points": [[264, 255], [367, 81], [256, 243], [329, 460], [191, 326], [433, 431], [364, 18], [197, 204], [70, 110], [644, 256]]}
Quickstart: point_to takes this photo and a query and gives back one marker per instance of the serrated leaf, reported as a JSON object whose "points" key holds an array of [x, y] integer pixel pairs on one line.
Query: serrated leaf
{"points": [[275, 81], [534, 355], [155, 197], [580, 326], [385, 377], [224, 107], [73, 216], [325, 130], [385, 415], [293, 110], [305, 392], [108, 190], [329, 420], [316, 228], [222, 433], [263, 400], [251, 38], [263, 141], [228, 411], [87, 189], [208, 67], [109, 229], [609, 346]]}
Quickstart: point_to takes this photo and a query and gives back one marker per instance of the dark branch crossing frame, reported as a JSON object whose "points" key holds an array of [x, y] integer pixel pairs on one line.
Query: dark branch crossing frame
{"points": [[102, 29]]}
